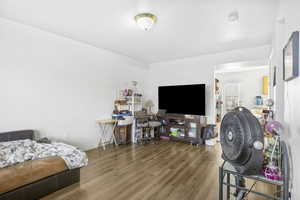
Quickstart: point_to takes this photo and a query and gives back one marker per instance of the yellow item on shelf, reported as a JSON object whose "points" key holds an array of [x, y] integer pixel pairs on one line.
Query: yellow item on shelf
{"points": [[265, 85]]}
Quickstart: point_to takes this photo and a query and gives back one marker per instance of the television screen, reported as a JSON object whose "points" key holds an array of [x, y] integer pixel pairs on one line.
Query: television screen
{"points": [[182, 99]]}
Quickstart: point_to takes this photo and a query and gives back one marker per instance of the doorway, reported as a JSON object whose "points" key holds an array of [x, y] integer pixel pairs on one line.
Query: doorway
{"points": [[241, 84]]}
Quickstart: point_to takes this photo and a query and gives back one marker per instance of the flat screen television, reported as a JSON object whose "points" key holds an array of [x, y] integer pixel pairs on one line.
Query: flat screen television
{"points": [[182, 99]]}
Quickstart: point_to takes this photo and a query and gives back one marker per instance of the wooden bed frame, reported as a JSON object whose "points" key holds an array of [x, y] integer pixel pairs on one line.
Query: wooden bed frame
{"points": [[42, 187]]}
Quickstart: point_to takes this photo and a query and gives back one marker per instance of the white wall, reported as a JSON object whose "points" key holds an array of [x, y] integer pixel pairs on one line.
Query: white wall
{"points": [[288, 97], [198, 70], [58, 86], [251, 83]]}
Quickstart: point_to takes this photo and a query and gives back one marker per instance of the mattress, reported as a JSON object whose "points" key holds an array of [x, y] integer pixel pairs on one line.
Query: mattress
{"points": [[22, 174]]}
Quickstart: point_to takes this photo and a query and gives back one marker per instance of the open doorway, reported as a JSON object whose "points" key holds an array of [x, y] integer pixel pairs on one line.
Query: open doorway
{"points": [[241, 84]]}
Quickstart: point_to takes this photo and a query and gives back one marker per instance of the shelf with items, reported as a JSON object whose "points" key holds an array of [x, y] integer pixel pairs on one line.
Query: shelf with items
{"points": [[182, 128], [219, 102], [130, 100]]}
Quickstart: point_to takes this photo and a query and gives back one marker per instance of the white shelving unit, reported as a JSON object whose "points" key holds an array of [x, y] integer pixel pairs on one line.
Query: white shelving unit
{"points": [[231, 97], [134, 103]]}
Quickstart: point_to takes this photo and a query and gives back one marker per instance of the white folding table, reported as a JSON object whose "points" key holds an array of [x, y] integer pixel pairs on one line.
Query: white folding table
{"points": [[106, 125]]}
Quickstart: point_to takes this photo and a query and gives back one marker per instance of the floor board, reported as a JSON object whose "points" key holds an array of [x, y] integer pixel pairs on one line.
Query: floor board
{"points": [[162, 171]]}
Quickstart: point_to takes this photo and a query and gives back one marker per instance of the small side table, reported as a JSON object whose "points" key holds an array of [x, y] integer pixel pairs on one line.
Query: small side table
{"points": [[104, 127]]}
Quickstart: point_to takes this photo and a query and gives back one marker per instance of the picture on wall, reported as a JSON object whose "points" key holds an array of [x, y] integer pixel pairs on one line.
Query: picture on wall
{"points": [[291, 57]]}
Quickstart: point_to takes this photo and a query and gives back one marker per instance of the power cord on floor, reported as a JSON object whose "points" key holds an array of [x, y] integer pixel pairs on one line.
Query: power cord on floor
{"points": [[250, 190]]}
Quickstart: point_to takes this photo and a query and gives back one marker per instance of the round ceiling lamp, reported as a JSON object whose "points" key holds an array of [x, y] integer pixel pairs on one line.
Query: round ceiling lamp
{"points": [[233, 16], [145, 20]]}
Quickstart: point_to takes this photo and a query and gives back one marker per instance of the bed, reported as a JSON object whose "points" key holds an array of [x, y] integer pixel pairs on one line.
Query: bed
{"points": [[34, 179]]}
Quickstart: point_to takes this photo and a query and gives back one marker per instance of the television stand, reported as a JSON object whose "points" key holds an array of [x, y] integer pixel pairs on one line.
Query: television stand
{"points": [[185, 124]]}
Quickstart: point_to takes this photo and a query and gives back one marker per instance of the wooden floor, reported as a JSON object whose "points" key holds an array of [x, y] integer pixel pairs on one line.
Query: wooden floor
{"points": [[162, 171]]}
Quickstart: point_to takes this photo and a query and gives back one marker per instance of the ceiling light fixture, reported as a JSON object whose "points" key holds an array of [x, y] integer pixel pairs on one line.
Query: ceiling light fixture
{"points": [[233, 16], [145, 20]]}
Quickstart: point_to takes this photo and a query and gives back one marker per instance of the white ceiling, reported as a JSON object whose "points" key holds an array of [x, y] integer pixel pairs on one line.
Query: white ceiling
{"points": [[241, 66], [185, 28]]}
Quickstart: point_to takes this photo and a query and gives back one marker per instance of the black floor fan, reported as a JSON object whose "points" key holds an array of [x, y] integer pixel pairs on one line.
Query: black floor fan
{"points": [[242, 141]]}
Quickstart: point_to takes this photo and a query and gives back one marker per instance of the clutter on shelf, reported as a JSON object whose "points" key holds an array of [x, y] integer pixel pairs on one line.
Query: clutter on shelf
{"points": [[129, 100], [272, 152]]}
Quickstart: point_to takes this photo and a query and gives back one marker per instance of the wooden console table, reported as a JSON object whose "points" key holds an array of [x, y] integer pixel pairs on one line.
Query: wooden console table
{"points": [[171, 121]]}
